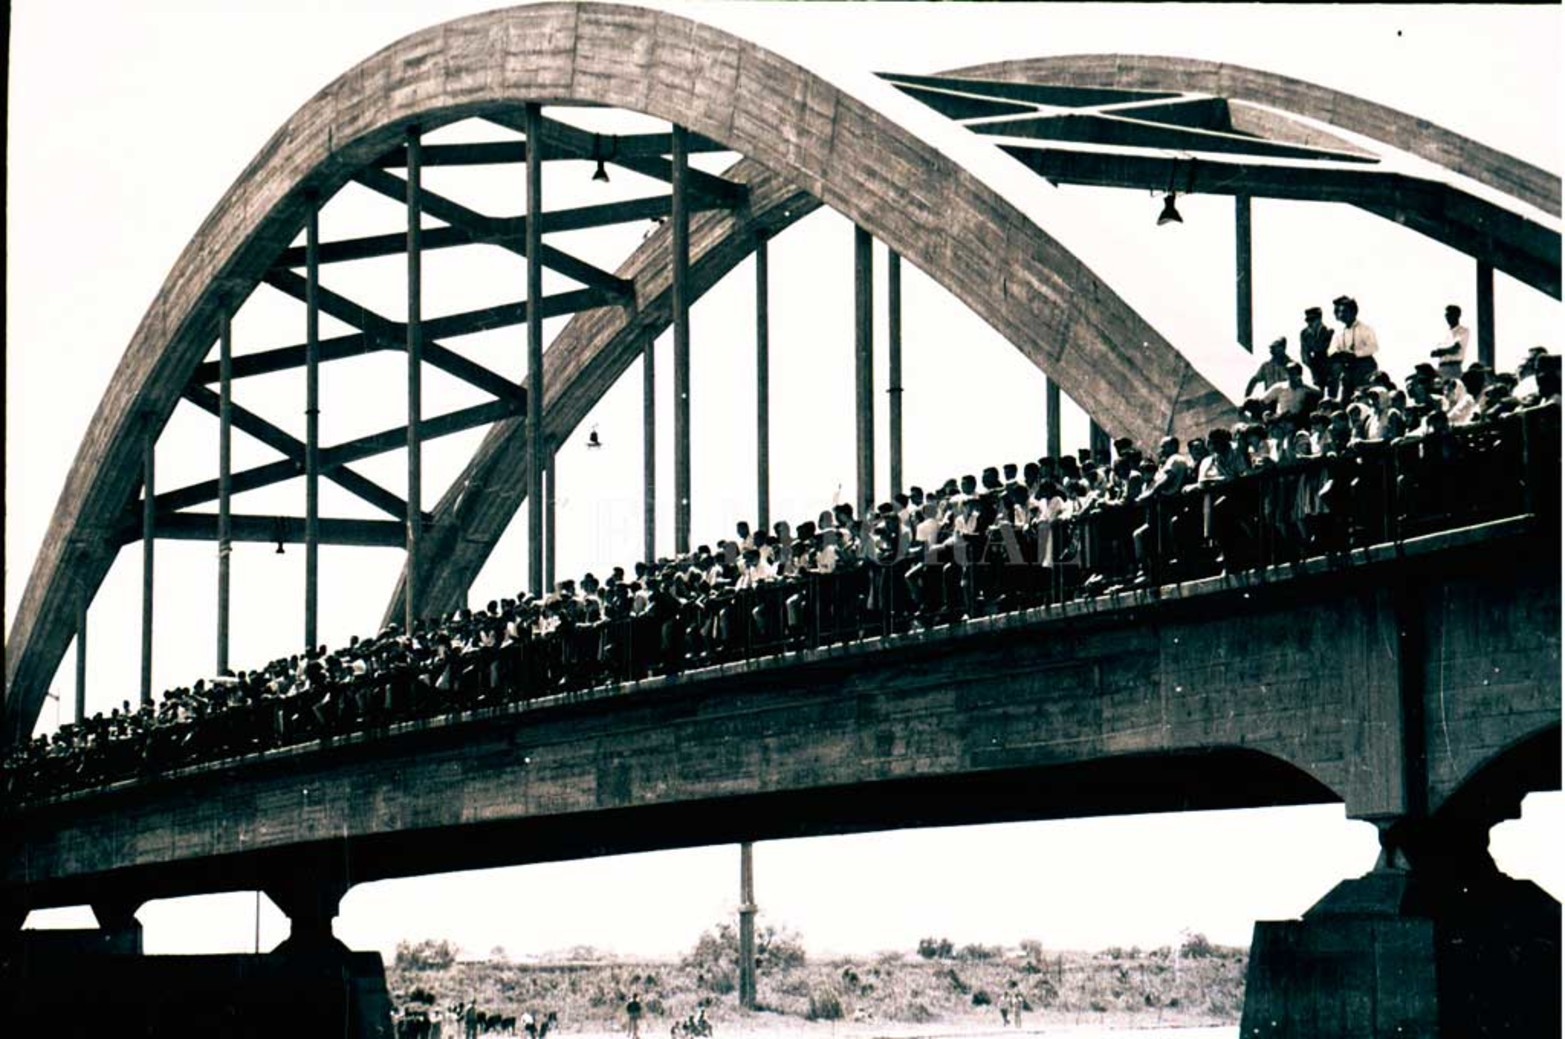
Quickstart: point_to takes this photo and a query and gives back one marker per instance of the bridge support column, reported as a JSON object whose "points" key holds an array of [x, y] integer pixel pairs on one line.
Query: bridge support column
{"points": [[1434, 941], [310, 902], [746, 927], [121, 931]]}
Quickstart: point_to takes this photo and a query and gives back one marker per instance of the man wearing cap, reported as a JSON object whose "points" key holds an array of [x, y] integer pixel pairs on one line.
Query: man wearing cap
{"points": [[1450, 353], [1353, 348], [1272, 370], [1314, 342]]}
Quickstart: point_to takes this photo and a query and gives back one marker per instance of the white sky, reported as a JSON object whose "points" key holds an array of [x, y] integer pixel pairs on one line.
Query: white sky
{"points": [[127, 123]]}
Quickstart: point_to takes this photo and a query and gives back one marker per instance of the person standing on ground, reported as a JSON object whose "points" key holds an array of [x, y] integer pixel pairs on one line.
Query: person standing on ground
{"points": [[633, 1015]]}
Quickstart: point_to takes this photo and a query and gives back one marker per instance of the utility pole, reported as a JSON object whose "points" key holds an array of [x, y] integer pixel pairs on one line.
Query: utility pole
{"points": [[746, 928]]}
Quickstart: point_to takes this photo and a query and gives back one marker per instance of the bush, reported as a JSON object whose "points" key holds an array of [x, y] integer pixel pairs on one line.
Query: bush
{"points": [[935, 948], [1196, 946], [717, 950], [981, 998], [956, 981], [425, 955], [975, 953], [824, 1006]]}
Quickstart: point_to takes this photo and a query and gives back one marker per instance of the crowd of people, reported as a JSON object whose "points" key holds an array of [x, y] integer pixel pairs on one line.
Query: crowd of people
{"points": [[1315, 466]]}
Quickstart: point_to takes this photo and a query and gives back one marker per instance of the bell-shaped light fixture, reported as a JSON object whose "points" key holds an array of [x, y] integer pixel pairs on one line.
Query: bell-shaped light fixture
{"points": [[592, 438], [1169, 215], [601, 175]]}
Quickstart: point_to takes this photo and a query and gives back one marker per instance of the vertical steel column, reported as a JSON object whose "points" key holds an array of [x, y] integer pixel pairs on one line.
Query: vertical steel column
{"points": [[1051, 418], [312, 424], [551, 459], [763, 413], [1243, 297], [535, 446], [149, 531], [680, 219], [746, 927], [225, 472], [415, 513], [1098, 441], [894, 349], [1486, 314], [649, 459], [863, 365], [81, 653]]}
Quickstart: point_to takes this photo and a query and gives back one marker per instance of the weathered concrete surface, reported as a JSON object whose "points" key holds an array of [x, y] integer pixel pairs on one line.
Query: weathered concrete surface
{"points": [[915, 198], [1408, 976], [1294, 690]]}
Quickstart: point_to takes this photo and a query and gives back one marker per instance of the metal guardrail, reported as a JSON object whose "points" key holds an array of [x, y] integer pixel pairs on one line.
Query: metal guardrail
{"points": [[1375, 493]]}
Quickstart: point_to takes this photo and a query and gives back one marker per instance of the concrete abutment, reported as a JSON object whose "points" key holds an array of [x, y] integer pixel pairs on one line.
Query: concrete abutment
{"points": [[1433, 942]]}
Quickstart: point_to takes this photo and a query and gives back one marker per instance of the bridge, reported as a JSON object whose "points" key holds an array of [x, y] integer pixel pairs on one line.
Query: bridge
{"points": [[1412, 674]]}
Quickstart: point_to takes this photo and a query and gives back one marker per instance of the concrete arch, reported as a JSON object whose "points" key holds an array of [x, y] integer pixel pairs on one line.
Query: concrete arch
{"points": [[916, 199], [1493, 791], [605, 344]]}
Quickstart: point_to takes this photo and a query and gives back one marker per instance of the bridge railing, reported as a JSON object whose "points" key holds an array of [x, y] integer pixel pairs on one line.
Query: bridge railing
{"points": [[1374, 493]]}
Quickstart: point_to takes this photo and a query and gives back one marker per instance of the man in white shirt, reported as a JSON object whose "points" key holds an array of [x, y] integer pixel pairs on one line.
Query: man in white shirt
{"points": [[1527, 373], [1353, 347], [1450, 353], [1292, 397]]}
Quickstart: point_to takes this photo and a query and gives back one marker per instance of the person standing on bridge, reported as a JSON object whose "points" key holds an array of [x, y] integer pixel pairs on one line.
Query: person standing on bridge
{"points": [[1450, 353], [1272, 371], [1353, 348], [1314, 342]]}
